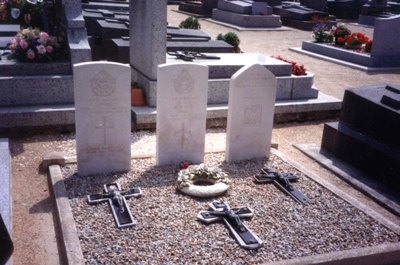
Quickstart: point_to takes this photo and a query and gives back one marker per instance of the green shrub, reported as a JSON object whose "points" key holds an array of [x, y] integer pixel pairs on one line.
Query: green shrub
{"points": [[230, 38], [190, 23]]}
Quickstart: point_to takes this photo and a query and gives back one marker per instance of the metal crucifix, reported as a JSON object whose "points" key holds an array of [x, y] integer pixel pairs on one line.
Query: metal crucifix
{"points": [[283, 182], [232, 217], [117, 201]]}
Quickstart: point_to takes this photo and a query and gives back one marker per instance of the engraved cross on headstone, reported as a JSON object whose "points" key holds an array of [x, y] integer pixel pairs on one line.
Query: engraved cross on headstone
{"points": [[104, 125], [283, 181], [232, 218], [117, 201]]}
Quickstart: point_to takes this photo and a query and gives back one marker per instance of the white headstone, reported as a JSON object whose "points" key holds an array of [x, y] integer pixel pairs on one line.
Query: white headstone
{"points": [[102, 117], [252, 92], [181, 112]]}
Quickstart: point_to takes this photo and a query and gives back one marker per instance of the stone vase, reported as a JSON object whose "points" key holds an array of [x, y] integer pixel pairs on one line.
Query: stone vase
{"points": [[303, 86], [137, 96]]}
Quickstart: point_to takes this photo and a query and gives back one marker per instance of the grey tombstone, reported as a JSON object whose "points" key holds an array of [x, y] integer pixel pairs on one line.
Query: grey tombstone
{"points": [[181, 112], [386, 39], [252, 93], [319, 5], [74, 25], [102, 117], [148, 31]]}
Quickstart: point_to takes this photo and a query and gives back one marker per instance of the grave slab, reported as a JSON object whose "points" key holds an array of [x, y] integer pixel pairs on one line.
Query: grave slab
{"points": [[102, 117], [182, 111], [247, 21], [382, 253], [240, 7]]}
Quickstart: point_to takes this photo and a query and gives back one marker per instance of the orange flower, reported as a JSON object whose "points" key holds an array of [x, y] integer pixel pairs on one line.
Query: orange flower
{"points": [[340, 40]]}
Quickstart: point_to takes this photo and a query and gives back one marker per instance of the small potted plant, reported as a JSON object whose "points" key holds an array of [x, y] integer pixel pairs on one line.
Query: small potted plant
{"points": [[190, 23], [230, 38], [137, 95]]}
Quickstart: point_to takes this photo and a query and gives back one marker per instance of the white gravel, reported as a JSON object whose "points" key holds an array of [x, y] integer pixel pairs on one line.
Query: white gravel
{"points": [[169, 233]]}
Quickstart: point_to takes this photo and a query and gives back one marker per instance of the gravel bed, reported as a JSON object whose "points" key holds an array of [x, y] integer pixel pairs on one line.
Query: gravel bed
{"points": [[168, 231]]}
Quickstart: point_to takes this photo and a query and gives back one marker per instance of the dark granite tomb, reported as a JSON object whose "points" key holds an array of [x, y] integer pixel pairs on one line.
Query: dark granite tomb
{"points": [[368, 132], [345, 9], [119, 48], [203, 8], [372, 10], [298, 16], [109, 31]]}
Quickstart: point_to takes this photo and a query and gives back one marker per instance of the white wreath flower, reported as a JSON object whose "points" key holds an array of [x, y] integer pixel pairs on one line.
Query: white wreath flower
{"points": [[187, 179]]}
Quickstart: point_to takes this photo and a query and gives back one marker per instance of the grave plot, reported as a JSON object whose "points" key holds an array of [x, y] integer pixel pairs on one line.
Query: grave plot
{"points": [[326, 228], [247, 14], [383, 53]]}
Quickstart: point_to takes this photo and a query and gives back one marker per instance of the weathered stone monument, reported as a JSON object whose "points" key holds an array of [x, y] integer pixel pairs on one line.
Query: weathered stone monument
{"points": [[384, 52], [372, 10], [302, 15], [385, 49], [345, 9], [102, 117], [367, 134], [74, 25], [252, 93], [181, 113], [147, 42], [248, 14]]}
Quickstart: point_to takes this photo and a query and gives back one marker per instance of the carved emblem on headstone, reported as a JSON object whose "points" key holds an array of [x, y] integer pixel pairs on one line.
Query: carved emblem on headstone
{"points": [[184, 82], [252, 115], [103, 84]]}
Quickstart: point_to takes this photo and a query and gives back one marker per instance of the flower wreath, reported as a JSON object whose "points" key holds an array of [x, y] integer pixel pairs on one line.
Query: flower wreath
{"points": [[187, 179]]}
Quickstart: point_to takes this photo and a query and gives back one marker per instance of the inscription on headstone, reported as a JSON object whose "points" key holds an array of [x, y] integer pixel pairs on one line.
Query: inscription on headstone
{"points": [[102, 117], [252, 93], [181, 112]]}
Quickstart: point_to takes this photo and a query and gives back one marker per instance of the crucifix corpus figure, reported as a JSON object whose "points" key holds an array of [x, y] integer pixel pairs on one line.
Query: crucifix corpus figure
{"points": [[283, 181], [117, 201], [232, 217]]}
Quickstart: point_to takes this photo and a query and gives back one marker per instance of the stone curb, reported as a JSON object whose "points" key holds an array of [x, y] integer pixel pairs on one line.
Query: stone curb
{"points": [[6, 187], [377, 255], [346, 172], [341, 62], [382, 254], [343, 195], [70, 241]]}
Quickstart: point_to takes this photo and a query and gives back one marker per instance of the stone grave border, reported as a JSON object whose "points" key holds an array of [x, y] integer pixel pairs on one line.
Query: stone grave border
{"points": [[5, 187], [323, 107], [340, 56], [346, 172], [239, 28], [387, 252]]}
